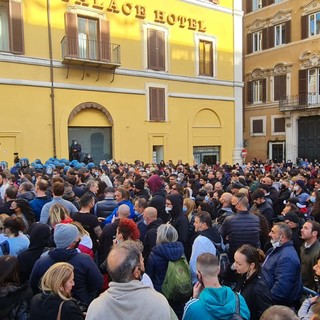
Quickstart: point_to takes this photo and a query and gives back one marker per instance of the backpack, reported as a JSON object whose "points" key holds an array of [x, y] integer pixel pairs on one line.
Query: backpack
{"points": [[224, 261], [177, 285], [237, 315]]}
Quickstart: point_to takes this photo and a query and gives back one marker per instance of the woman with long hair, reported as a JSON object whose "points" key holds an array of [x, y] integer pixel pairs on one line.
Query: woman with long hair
{"points": [[22, 209], [247, 263], [55, 299], [85, 244], [58, 214], [14, 296]]}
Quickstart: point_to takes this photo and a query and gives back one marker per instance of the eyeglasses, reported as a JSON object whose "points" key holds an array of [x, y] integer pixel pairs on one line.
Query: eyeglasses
{"points": [[174, 189]]}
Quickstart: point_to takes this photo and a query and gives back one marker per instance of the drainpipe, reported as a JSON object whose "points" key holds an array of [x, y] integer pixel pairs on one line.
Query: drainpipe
{"points": [[51, 82]]}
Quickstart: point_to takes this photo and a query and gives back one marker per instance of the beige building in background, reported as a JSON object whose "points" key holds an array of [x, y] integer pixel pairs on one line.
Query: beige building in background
{"points": [[282, 79]]}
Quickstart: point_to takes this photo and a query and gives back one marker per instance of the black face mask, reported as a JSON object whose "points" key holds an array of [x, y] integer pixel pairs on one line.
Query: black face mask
{"points": [[76, 244], [233, 208]]}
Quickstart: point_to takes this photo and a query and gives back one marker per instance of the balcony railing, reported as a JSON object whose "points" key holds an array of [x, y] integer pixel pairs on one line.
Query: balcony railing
{"points": [[300, 102], [80, 51]]}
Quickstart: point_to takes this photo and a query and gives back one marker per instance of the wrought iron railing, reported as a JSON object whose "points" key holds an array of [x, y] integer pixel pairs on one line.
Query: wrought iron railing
{"points": [[300, 102], [90, 50]]}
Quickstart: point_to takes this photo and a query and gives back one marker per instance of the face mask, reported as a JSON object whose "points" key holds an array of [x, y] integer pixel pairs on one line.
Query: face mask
{"points": [[233, 208], [145, 222], [313, 199], [168, 210], [185, 209], [295, 188], [276, 244], [206, 198]]}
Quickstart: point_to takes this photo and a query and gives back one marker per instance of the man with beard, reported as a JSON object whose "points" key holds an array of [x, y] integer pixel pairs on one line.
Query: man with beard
{"points": [[204, 242]]}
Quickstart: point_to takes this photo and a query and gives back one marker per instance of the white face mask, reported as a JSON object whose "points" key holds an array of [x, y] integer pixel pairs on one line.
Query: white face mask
{"points": [[276, 244], [168, 209], [296, 188]]}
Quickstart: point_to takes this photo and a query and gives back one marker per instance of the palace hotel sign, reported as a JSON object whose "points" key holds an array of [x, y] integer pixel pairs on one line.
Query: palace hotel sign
{"points": [[139, 12]]}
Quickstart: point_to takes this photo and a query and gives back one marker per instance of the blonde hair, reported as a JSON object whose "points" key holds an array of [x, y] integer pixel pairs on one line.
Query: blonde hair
{"points": [[57, 213], [191, 205], [3, 216], [55, 278], [82, 230]]}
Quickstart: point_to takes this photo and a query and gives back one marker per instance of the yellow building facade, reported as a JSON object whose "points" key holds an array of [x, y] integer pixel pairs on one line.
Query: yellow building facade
{"points": [[281, 75], [147, 80]]}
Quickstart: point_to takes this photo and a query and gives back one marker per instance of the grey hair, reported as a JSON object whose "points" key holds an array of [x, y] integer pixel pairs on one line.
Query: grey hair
{"points": [[122, 273], [284, 229], [166, 233]]}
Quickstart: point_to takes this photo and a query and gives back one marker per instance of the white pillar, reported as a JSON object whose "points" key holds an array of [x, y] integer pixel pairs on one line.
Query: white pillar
{"points": [[292, 138], [238, 80]]}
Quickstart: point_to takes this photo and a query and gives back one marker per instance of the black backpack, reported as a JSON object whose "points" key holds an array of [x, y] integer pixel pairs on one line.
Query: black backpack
{"points": [[224, 261], [237, 315]]}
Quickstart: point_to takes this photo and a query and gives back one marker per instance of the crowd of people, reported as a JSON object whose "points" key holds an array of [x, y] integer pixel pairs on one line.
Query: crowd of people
{"points": [[101, 241]]}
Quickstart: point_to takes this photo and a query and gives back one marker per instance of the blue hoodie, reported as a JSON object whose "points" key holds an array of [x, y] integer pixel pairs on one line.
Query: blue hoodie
{"points": [[215, 304]]}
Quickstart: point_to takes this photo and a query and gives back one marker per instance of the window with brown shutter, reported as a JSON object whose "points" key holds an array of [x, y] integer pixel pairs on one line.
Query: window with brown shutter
{"points": [[249, 92], [304, 27], [248, 6], [205, 58], [157, 104], [265, 43], [264, 90], [249, 43], [288, 31], [11, 26], [280, 87], [87, 38], [279, 125], [303, 87], [257, 126], [156, 48]]}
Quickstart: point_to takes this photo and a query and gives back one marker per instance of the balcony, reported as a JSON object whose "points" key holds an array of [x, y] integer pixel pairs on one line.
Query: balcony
{"points": [[83, 52], [300, 102]]}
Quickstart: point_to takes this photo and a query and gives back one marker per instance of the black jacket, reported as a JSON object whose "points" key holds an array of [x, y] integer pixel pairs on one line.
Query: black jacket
{"points": [[256, 293], [105, 207], [150, 238], [241, 228], [14, 301], [39, 239], [178, 219], [46, 306], [158, 201]]}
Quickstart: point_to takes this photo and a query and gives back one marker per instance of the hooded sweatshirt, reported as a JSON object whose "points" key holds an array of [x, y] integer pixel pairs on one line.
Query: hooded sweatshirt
{"points": [[87, 277], [131, 300], [215, 304], [39, 237]]}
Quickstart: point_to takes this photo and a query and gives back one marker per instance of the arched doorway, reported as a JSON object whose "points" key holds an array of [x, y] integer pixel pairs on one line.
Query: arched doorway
{"points": [[91, 125]]}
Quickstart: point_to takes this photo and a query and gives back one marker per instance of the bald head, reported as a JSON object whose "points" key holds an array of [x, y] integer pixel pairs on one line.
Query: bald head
{"points": [[150, 214], [225, 199], [123, 260], [123, 211]]}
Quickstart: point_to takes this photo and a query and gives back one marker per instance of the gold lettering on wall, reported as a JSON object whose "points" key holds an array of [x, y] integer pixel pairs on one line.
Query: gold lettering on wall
{"points": [[113, 7], [160, 16]]}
